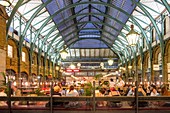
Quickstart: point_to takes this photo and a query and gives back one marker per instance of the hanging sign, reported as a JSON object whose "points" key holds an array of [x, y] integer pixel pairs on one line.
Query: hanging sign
{"points": [[156, 67]]}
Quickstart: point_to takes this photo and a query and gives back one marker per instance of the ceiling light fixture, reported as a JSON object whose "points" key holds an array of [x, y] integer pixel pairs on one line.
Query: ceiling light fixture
{"points": [[72, 66], [132, 37], [64, 53], [110, 61], [78, 64]]}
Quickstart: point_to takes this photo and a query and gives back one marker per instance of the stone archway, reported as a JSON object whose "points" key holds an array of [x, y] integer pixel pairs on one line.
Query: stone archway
{"points": [[157, 60], [11, 74], [33, 78], [24, 79]]}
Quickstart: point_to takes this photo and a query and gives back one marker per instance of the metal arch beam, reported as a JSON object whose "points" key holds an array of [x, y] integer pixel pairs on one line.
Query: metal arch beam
{"points": [[166, 5], [150, 17], [82, 10], [19, 3], [71, 17], [94, 16], [100, 14], [39, 21], [122, 40], [92, 38], [62, 40], [49, 46], [73, 5], [79, 29], [71, 33], [59, 42], [45, 39], [149, 8], [31, 19], [110, 48], [48, 36], [113, 49], [120, 47], [97, 9], [29, 23], [79, 23], [102, 24], [106, 12], [82, 3], [126, 52], [32, 9], [140, 12], [162, 45], [83, 38], [134, 21], [79, 4], [154, 23], [124, 55], [140, 19]]}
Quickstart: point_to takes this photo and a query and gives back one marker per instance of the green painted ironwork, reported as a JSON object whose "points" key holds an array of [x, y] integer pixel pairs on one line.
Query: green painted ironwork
{"points": [[158, 33], [31, 19], [70, 7], [105, 15], [12, 15], [164, 2], [166, 5], [149, 8], [32, 9], [71, 17], [65, 7]]}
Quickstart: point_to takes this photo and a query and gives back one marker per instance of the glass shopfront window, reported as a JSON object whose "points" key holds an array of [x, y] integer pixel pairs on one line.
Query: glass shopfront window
{"points": [[10, 51], [23, 57]]}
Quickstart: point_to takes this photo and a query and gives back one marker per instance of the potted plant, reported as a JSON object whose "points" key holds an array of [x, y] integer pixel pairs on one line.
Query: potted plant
{"points": [[98, 76], [88, 89]]}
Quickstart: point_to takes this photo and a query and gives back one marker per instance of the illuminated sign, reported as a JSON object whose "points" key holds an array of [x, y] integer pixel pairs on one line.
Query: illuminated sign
{"points": [[72, 70]]}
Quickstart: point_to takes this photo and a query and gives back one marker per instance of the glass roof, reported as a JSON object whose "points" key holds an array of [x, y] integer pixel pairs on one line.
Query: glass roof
{"points": [[82, 24], [89, 18]]}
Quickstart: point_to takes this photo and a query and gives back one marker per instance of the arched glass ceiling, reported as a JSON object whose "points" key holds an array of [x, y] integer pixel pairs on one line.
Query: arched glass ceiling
{"points": [[90, 18], [104, 20], [25, 12], [92, 43]]}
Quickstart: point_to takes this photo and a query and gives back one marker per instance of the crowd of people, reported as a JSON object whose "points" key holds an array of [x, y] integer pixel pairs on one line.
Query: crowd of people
{"points": [[112, 88]]}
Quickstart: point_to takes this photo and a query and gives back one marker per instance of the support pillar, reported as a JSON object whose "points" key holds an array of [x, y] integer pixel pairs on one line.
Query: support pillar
{"points": [[3, 41]]}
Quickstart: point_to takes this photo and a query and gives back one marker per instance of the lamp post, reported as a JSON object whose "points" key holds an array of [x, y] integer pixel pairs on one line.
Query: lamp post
{"points": [[5, 3], [132, 38]]}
